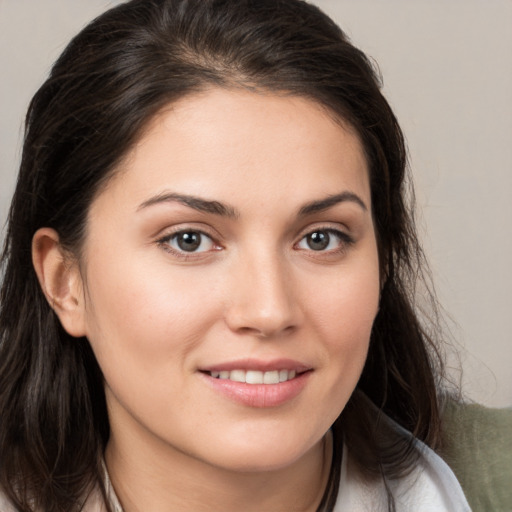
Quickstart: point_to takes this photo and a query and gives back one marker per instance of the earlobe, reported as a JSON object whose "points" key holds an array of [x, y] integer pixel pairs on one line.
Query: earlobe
{"points": [[60, 280]]}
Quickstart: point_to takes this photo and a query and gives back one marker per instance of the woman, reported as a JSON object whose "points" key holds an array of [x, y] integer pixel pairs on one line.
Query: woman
{"points": [[211, 241]]}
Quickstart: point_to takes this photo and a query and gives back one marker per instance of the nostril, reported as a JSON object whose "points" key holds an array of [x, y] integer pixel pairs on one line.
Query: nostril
{"points": [[266, 332], [263, 303]]}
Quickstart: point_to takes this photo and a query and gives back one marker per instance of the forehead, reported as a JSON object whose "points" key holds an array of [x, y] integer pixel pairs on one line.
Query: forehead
{"points": [[233, 144]]}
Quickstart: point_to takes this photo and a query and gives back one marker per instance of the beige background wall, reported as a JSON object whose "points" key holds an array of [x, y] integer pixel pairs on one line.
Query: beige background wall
{"points": [[447, 68]]}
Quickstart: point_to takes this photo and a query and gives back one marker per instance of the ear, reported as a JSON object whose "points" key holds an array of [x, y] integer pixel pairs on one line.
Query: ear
{"points": [[60, 280]]}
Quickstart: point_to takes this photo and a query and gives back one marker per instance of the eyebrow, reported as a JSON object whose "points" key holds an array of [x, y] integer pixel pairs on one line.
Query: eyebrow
{"points": [[324, 204], [218, 208], [197, 203]]}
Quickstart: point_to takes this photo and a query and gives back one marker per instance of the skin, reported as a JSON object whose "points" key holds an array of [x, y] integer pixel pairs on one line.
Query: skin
{"points": [[256, 288]]}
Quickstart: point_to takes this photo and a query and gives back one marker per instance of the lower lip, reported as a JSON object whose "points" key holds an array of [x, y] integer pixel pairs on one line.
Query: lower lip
{"points": [[259, 395]]}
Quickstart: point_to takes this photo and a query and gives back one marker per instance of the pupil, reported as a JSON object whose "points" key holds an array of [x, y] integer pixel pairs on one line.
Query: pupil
{"points": [[189, 241], [318, 240]]}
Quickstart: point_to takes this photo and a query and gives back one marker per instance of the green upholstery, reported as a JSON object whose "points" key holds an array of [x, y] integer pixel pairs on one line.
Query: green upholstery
{"points": [[477, 445]]}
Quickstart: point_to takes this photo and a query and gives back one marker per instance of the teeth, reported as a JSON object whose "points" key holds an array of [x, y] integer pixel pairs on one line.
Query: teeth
{"points": [[237, 375], [255, 377], [271, 377]]}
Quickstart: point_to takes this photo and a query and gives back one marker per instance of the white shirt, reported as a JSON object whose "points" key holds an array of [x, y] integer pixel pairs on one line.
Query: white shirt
{"points": [[430, 487]]}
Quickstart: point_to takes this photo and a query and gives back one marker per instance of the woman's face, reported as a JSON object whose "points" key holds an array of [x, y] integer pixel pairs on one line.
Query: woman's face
{"points": [[232, 279]]}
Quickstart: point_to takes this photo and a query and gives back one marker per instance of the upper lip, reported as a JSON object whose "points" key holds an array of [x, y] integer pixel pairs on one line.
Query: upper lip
{"points": [[257, 365]]}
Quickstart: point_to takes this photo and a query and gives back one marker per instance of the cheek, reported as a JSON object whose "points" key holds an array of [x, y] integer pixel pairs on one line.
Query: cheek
{"points": [[140, 315], [349, 305], [344, 319]]}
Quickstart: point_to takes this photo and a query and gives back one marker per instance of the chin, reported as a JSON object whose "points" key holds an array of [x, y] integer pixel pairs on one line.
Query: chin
{"points": [[264, 455]]}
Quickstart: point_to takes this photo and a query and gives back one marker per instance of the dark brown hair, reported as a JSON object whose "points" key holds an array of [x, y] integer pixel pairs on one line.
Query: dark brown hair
{"points": [[110, 81]]}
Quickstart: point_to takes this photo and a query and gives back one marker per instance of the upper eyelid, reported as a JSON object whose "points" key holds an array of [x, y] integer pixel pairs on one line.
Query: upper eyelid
{"points": [[345, 237], [166, 238], [335, 227], [165, 242], [171, 231]]}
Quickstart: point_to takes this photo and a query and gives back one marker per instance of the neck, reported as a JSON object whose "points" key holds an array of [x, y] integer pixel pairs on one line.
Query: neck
{"points": [[163, 480]]}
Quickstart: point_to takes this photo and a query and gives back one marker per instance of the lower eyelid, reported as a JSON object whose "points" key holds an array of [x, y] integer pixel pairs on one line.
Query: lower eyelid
{"points": [[166, 242], [344, 240]]}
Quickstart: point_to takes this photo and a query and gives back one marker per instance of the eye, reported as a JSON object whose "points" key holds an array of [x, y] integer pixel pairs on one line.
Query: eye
{"points": [[324, 240], [189, 242]]}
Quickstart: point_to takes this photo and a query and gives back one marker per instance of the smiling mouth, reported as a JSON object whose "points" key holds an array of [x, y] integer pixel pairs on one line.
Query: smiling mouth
{"points": [[258, 384], [255, 376]]}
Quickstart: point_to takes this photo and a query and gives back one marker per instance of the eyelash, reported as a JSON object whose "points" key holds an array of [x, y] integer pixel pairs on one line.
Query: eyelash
{"points": [[165, 243], [344, 241]]}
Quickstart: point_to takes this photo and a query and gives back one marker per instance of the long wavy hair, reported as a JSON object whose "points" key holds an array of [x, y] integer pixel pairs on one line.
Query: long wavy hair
{"points": [[110, 81]]}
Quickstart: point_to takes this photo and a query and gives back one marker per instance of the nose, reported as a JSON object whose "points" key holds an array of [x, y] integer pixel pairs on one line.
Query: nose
{"points": [[264, 298]]}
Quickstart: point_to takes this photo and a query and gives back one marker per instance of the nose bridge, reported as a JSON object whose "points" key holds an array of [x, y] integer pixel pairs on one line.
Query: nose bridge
{"points": [[264, 299]]}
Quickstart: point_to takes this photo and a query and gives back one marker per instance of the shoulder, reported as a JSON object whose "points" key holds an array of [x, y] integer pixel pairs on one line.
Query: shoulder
{"points": [[432, 484], [430, 487], [94, 503], [5, 504]]}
